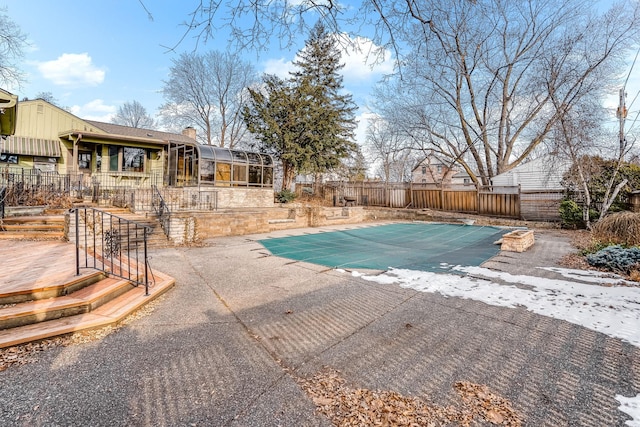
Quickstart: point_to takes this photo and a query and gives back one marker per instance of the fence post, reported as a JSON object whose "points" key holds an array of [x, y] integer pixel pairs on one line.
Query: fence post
{"points": [[519, 205]]}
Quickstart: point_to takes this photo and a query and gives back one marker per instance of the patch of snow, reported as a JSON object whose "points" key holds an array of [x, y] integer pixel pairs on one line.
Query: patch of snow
{"points": [[631, 407], [612, 310], [589, 276]]}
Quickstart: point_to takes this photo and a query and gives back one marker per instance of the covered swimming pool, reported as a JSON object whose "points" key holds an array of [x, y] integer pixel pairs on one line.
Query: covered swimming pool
{"points": [[415, 246]]}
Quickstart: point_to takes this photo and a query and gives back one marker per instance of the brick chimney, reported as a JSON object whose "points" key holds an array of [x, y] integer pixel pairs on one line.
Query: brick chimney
{"points": [[190, 132]]}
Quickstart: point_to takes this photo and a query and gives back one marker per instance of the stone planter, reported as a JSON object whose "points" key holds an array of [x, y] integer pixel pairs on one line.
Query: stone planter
{"points": [[517, 241]]}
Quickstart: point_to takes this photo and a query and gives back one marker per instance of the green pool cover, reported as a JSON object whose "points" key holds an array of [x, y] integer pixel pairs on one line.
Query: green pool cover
{"points": [[415, 246]]}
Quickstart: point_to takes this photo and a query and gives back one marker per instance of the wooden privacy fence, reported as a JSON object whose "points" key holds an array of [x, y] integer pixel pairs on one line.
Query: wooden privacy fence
{"points": [[508, 202]]}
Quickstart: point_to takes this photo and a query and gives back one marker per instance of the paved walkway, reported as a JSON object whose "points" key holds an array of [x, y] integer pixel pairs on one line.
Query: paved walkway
{"points": [[226, 345]]}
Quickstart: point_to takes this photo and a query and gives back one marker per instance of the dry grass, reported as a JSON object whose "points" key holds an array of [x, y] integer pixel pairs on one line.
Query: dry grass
{"points": [[619, 228]]}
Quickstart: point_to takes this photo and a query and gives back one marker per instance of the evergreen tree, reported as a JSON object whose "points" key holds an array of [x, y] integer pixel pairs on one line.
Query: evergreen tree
{"points": [[331, 118], [275, 115], [304, 121]]}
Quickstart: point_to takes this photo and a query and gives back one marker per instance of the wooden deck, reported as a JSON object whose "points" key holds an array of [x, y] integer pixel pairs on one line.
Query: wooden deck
{"points": [[38, 283], [33, 265]]}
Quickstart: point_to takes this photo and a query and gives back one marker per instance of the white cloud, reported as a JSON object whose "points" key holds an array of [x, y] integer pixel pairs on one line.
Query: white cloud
{"points": [[279, 67], [94, 110], [72, 69], [364, 60], [361, 130]]}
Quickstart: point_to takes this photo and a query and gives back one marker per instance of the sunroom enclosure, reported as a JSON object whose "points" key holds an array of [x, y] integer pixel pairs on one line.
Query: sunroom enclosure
{"points": [[197, 165]]}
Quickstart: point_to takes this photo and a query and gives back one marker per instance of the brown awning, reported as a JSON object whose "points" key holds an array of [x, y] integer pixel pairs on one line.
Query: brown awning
{"points": [[30, 146]]}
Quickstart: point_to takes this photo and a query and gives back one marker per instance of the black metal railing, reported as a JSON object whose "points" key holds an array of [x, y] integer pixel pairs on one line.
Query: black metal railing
{"points": [[31, 187], [111, 244], [162, 211], [3, 195]]}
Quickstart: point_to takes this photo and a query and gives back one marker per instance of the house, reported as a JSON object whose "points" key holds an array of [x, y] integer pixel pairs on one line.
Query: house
{"points": [[543, 173], [461, 178], [52, 140], [433, 169]]}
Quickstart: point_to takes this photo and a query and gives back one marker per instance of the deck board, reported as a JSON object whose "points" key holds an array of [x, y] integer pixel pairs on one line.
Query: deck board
{"points": [[34, 265]]}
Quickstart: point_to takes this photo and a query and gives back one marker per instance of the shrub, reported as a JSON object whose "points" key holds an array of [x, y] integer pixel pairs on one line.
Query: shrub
{"points": [[621, 228], [571, 215], [285, 196], [616, 258]]}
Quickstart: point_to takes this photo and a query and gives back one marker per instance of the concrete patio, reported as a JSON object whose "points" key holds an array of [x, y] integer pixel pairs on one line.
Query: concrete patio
{"points": [[228, 345]]}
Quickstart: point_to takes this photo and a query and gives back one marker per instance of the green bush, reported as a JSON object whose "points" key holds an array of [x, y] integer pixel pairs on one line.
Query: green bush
{"points": [[285, 196], [616, 258], [571, 215]]}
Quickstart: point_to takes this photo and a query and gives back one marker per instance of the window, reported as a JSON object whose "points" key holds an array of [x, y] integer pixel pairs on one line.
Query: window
{"points": [[207, 168], [424, 170], [45, 164], [133, 159], [113, 158], [84, 160], [9, 158], [99, 158], [223, 172], [439, 168]]}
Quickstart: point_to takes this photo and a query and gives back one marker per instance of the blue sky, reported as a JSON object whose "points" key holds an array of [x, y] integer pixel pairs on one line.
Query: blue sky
{"points": [[94, 56]]}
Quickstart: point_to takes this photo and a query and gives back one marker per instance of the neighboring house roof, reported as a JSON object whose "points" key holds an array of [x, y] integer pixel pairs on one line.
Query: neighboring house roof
{"points": [[427, 160], [461, 175], [543, 173]]}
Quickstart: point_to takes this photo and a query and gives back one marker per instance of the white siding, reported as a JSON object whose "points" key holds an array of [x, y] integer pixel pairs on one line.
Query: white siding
{"points": [[544, 173]]}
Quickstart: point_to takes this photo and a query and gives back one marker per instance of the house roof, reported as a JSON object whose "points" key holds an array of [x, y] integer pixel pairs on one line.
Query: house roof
{"points": [[439, 160], [461, 174], [131, 132]]}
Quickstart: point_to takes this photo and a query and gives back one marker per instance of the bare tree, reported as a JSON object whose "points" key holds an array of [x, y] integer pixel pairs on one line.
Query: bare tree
{"points": [[208, 91], [12, 44], [133, 114], [489, 80], [389, 151], [477, 77]]}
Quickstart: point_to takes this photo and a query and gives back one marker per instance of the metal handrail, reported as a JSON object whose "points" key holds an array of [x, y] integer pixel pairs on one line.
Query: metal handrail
{"points": [[161, 210], [112, 244], [3, 196]]}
